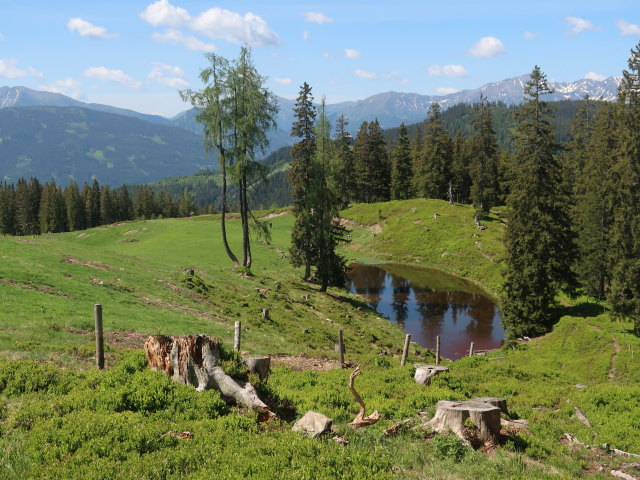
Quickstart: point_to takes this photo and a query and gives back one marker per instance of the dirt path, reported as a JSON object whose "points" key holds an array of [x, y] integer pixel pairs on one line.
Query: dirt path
{"points": [[611, 375]]}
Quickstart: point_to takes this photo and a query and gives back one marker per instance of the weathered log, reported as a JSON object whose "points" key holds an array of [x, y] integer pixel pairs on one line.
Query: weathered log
{"points": [[582, 417], [361, 420], [424, 373], [501, 403], [193, 360], [259, 365], [452, 416]]}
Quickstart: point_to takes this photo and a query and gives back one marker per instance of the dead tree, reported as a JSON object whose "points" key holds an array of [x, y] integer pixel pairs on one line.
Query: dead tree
{"points": [[361, 420], [194, 360]]}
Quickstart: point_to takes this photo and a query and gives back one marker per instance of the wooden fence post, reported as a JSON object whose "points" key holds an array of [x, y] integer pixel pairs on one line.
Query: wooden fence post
{"points": [[438, 350], [471, 349], [341, 347], [405, 349], [236, 336], [97, 315]]}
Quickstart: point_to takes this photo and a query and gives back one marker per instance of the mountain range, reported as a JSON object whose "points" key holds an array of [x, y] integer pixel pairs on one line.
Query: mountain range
{"points": [[50, 135]]}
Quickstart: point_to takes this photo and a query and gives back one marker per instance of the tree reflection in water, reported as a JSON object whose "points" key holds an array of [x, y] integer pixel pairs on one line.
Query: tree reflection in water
{"points": [[428, 303]]}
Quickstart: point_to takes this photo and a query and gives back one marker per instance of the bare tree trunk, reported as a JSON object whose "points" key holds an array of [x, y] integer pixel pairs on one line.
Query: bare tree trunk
{"points": [[231, 255], [194, 360]]}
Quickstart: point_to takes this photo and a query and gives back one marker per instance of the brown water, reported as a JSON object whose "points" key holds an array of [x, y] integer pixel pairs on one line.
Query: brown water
{"points": [[428, 303]]}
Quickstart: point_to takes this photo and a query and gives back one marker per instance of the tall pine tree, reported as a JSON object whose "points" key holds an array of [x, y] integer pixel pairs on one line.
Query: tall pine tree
{"points": [[625, 234], [300, 176], [401, 167], [538, 238], [484, 161]]}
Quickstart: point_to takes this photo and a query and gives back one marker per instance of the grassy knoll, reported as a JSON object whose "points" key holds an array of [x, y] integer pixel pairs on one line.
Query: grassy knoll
{"points": [[429, 233], [61, 418]]}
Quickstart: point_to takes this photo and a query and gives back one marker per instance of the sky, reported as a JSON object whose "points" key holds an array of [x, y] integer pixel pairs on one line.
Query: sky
{"points": [[138, 54]]}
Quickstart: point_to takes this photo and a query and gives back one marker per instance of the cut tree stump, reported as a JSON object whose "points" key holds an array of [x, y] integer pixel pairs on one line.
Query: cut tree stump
{"points": [[259, 365], [194, 360], [424, 373], [501, 403], [452, 416]]}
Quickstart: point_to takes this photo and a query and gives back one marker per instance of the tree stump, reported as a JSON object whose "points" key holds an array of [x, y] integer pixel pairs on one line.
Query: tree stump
{"points": [[193, 360], [259, 365], [501, 403], [452, 416], [424, 373]]}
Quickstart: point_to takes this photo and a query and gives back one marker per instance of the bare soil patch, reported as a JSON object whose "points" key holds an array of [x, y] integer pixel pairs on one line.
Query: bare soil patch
{"points": [[38, 288], [274, 215], [26, 240], [347, 222], [98, 265], [302, 362]]}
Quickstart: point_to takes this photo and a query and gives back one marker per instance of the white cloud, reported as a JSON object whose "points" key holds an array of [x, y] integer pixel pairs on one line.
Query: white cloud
{"points": [[529, 35], [306, 35], [283, 81], [86, 29], [487, 47], [9, 69], [163, 13], [578, 25], [235, 28], [447, 71], [627, 28], [69, 86], [159, 73], [364, 74], [379, 76], [316, 17], [445, 90], [594, 76], [351, 53], [115, 76], [327, 55], [216, 23], [176, 37]]}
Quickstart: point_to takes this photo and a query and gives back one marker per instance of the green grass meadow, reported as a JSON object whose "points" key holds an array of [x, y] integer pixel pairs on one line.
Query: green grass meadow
{"points": [[62, 418]]}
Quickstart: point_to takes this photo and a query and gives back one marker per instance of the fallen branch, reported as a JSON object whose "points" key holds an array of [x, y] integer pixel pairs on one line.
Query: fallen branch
{"points": [[183, 435], [361, 420], [393, 430]]}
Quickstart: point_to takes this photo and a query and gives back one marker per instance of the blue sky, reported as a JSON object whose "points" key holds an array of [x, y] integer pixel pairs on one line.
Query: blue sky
{"points": [[137, 54]]}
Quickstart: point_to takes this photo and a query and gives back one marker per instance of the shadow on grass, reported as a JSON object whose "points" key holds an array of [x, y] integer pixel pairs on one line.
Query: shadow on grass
{"points": [[582, 309]]}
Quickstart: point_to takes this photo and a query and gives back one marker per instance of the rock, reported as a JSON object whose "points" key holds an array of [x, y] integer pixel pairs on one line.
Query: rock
{"points": [[579, 386], [424, 373], [313, 424]]}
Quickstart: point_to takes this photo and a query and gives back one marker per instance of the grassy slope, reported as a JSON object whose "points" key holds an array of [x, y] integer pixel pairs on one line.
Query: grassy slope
{"points": [[47, 412], [410, 234]]}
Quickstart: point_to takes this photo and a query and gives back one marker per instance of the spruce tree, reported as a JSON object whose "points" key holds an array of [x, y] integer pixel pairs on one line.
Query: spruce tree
{"points": [[300, 176], [538, 239], [401, 167], [625, 232], [327, 231], [431, 171], [361, 164], [7, 210], [372, 167], [28, 206], [589, 166], [76, 213], [484, 161], [345, 175], [460, 178]]}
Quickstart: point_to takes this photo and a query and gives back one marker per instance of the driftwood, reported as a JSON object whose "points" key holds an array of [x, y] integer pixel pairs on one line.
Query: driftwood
{"points": [[361, 420], [193, 360], [452, 416], [259, 365], [424, 373], [581, 416]]}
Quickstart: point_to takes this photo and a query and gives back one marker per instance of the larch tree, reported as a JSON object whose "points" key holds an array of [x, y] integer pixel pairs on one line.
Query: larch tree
{"points": [[538, 238], [300, 176], [237, 111], [625, 232]]}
